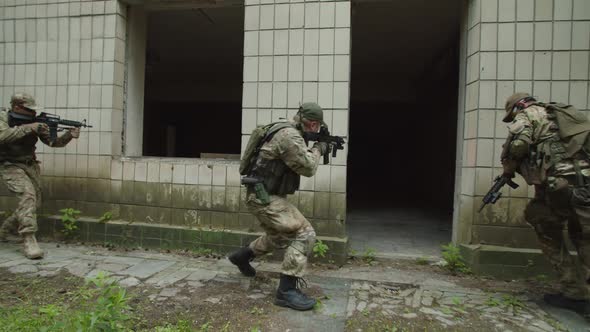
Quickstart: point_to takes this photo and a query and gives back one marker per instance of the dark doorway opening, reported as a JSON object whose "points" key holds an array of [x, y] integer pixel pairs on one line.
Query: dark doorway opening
{"points": [[403, 125], [193, 83]]}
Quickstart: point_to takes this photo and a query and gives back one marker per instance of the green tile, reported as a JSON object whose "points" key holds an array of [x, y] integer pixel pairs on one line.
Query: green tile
{"points": [[139, 193], [151, 243], [217, 220], [231, 239]]}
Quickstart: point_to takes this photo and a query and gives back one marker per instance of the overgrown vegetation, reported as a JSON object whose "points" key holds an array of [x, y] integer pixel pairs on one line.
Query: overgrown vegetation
{"points": [[103, 307], [69, 220], [106, 217], [453, 259], [369, 255], [320, 249]]}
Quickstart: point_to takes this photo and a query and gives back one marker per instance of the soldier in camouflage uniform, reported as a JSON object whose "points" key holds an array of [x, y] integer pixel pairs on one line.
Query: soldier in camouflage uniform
{"points": [[280, 162], [19, 168], [546, 146]]}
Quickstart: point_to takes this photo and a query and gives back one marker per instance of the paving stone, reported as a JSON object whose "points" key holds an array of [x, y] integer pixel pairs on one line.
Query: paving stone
{"points": [[170, 278], [350, 307], [22, 261], [361, 306], [147, 268], [543, 325], [445, 321], [406, 292], [28, 268], [168, 292], [409, 300], [427, 301], [111, 267], [363, 296], [79, 269], [417, 298], [202, 275], [45, 273], [430, 311], [213, 300], [373, 306], [125, 260], [195, 284], [256, 296], [410, 315], [130, 282], [54, 265]]}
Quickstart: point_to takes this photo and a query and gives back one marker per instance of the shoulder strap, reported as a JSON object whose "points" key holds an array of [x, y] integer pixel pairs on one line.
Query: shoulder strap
{"points": [[275, 127]]}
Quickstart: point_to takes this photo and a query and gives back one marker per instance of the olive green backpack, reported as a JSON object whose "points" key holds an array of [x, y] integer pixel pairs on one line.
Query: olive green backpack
{"points": [[259, 136], [574, 127]]}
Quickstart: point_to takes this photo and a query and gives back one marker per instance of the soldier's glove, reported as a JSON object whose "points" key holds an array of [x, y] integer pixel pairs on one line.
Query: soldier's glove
{"points": [[75, 132], [322, 147], [510, 167], [37, 127]]}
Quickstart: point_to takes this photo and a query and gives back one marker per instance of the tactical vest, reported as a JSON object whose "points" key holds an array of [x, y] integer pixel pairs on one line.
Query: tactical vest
{"points": [[278, 178], [22, 150]]}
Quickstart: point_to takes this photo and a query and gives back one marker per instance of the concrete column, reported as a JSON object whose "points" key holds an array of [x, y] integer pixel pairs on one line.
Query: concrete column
{"points": [[541, 47], [293, 53]]}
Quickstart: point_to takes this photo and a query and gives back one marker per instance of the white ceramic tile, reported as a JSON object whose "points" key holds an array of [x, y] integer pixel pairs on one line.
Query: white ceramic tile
{"points": [[560, 66], [543, 35], [310, 68], [267, 17], [250, 69], [542, 66], [281, 42], [266, 42], [311, 38], [252, 17], [296, 41], [310, 92], [312, 15], [264, 94], [250, 43], [581, 33], [265, 68], [326, 41], [524, 66], [507, 10], [579, 65], [280, 68], [279, 95], [192, 174], [543, 10], [294, 94], [562, 9], [326, 68], [581, 10], [295, 68], [325, 94], [327, 14], [205, 174], [297, 16], [342, 14], [562, 35], [178, 173], [341, 93], [281, 16]]}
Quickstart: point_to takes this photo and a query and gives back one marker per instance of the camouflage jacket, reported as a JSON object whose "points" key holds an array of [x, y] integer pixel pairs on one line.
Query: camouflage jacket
{"points": [[289, 146], [534, 126], [18, 143]]}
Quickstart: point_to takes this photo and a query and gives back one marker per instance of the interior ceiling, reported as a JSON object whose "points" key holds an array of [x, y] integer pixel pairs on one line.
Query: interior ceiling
{"points": [[398, 39], [207, 42], [401, 37]]}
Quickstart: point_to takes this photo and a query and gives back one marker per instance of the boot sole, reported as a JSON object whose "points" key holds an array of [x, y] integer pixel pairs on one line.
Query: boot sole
{"points": [[244, 273], [285, 304]]}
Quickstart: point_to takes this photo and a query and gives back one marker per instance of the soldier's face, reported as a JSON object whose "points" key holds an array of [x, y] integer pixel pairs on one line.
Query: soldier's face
{"points": [[311, 126]]}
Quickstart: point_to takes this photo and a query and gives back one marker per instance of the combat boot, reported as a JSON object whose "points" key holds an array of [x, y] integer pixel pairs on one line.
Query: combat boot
{"points": [[582, 307], [32, 250], [289, 295], [241, 259]]}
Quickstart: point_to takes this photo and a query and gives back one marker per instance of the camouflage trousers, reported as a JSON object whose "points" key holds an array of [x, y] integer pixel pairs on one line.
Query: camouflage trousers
{"points": [[24, 181], [552, 209], [285, 227]]}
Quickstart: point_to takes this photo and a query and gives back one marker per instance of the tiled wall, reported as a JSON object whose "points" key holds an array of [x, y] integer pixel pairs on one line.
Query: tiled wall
{"points": [[298, 52], [71, 56], [536, 46]]}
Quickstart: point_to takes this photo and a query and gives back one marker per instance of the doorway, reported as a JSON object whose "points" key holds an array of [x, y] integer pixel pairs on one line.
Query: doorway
{"points": [[403, 124]]}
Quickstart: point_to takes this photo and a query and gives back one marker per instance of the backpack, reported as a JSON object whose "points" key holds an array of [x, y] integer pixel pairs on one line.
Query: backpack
{"points": [[259, 136], [574, 127]]}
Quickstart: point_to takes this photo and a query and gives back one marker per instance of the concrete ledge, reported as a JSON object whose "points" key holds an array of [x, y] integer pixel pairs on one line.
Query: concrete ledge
{"points": [[505, 262], [158, 236]]}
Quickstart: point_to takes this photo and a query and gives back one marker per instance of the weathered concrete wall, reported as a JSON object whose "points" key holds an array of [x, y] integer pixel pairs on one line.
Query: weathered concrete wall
{"points": [[541, 47], [72, 55]]}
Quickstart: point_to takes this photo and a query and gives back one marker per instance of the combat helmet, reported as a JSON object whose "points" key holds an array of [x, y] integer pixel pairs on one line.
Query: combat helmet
{"points": [[513, 101]]}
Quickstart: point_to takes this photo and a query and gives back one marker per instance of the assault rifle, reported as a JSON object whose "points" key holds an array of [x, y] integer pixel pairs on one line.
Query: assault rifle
{"points": [[53, 121], [335, 143], [494, 194]]}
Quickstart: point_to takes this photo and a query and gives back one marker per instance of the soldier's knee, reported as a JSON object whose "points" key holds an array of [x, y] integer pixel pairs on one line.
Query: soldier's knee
{"points": [[537, 212]]}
